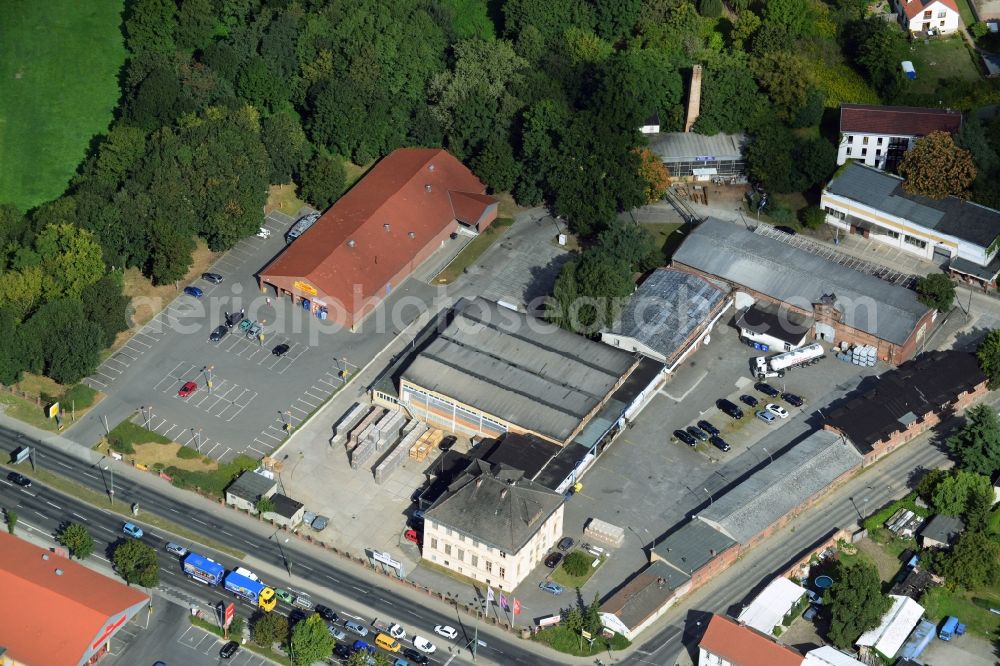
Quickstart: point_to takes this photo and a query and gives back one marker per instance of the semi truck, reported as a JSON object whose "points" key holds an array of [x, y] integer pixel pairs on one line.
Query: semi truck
{"points": [[203, 570], [301, 226], [762, 367], [252, 590]]}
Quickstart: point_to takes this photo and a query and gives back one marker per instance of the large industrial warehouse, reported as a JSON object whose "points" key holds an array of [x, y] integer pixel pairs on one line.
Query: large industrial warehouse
{"points": [[378, 233]]}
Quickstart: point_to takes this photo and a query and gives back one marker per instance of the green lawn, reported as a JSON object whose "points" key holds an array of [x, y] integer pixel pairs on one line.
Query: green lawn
{"points": [[971, 608], [473, 251], [562, 639], [569, 581], [965, 11], [940, 58], [59, 63], [132, 434]]}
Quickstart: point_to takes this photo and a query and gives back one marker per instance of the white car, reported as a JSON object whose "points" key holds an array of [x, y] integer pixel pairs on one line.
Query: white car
{"points": [[397, 632], [777, 410], [424, 645], [264, 233], [444, 630]]}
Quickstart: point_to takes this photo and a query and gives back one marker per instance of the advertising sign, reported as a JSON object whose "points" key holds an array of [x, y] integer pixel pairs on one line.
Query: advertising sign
{"points": [[305, 287], [230, 614]]}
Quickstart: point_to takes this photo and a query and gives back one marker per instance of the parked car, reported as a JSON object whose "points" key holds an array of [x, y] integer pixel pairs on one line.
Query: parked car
{"points": [[786, 230], [414, 656], [767, 389], [233, 318], [229, 649], [362, 645], [284, 595], [749, 400], [412, 536], [719, 443], [264, 232], [810, 612], [254, 330], [792, 399], [19, 479], [193, 291], [187, 389], [447, 631], [337, 633], [319, 523], [766, 416], [280, 350], [218, 333], [132, 530], [396, 631], [424, 645], [342, 650], [697, 433], [550, 587], [685, 437], [729, 409], [214, 278], [777, 410], [176, 549], [708, 427], [327, 613], [553, 560], [565, 543], [296, 616], [356, 628]]}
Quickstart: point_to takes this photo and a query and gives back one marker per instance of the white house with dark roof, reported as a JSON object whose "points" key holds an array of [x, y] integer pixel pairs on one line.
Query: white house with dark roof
{"points": [[963, 235], [669, 316], [877, 136], [493, 524]]}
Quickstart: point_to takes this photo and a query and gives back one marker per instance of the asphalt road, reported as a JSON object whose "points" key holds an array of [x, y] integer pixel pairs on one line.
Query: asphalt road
{"points": [[45, 508]]}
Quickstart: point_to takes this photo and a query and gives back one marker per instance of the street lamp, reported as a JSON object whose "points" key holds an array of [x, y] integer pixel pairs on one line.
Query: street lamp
{"points": [[710, 500], [768, 453], [111, 492], [281, 551]]}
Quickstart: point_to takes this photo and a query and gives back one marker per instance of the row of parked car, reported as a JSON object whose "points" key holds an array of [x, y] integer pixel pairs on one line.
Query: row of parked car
{"points": [[705, 431]]}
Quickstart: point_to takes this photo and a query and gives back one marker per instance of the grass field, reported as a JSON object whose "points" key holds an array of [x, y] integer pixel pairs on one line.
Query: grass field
{"points": [[59, 63], [473, 251], [568, 580], [940, 58]]}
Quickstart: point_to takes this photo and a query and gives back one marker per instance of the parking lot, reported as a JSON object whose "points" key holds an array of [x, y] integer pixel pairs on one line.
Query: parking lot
{"points": [[256, 397]]}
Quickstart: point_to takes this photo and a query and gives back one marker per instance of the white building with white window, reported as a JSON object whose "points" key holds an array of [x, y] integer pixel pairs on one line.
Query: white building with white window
{"points": [[879, 135], [493, 525], [928, 16], [953, 232]]}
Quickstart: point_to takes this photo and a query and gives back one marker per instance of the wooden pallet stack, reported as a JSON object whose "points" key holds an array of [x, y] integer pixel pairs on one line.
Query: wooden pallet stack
{"points": [[427, 443]]}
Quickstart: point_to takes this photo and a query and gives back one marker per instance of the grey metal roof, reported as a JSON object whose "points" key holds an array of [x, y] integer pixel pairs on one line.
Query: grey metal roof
{"points": [[942, 528], [988, 272], [686, 146], [780, 487], [517, 368], [884, 192], [788, 274], [644, 594], [667, 308], [251, 486], [693, 546], [496, 505]]}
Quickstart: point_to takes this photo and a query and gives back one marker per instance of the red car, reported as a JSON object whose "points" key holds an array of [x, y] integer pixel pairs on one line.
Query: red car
{"points": [[187, 389], [411, 535]]}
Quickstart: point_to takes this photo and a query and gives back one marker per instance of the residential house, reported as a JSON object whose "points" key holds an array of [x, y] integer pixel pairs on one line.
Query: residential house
{"points": [[928, 16], [246, 491], [877, 136], [728, 643], [287, 512], [941, 531]]}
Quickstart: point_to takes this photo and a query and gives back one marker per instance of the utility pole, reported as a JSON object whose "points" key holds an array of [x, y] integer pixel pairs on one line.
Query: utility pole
{"points": [[111, 491], [710, 500]]}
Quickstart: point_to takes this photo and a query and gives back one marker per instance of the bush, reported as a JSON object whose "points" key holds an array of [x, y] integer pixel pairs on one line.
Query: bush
{"points": [[781, 214], [812, 217], [187, 453], [269, 628], [576, 564], [120, 445], [79, 396], [978, 29]]}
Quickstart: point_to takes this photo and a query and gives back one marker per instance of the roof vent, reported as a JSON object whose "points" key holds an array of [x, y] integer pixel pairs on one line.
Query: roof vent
{"points": [[59, 572], [351, 243], [386, 227], [45, 556], [427, 187], [430, 167], [412, 234]]}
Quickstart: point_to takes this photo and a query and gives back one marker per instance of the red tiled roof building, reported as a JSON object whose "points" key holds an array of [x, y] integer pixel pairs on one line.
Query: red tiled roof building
{"points": [[378, 233], [58, 612], [728, 643], [878, 136]]}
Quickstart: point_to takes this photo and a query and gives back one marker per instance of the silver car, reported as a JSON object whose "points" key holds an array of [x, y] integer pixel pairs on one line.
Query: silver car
{"points": [[176, 549]]}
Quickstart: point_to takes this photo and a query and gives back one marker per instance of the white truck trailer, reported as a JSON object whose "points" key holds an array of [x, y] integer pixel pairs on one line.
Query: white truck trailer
{"points": [[775, 366]]}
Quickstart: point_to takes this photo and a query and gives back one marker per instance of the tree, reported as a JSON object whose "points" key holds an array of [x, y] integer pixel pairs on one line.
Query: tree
{"points": [[631, 244], [972, 562], [730, 96], [929, 482], [63, 343], [576, 564], [876, 46], [590, 292], [812, 217], [11, 356], [10, 516], [951, 495], [592, 617], [935, 167], [195, 23], [71, 260], [936, 291], [654, 173], [311, 641], [269, 628], [287, 147], [856, 603], [237, 626], [105, 305], [747, 23], [710, 8], [137, 563], [978, 505], [989, 357], [118, 154], [264, 505], [150, 26], [323, 180], [573, 619], [977, 444], [258, 83], [496, 165], [614, 19], [785, 79], [77, 540]]}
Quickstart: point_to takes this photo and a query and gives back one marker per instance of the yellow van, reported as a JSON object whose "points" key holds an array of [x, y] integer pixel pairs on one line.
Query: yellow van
{"points": [[387, 642]]}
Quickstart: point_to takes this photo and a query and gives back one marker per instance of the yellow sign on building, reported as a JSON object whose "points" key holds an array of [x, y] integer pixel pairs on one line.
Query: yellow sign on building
{"points": [[306, 287]]}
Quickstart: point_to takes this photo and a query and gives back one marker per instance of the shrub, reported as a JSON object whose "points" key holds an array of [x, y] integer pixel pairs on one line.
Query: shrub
{"points": [[781, 214], [79, 396], [187, 453], [978, 29], [710, 8], [812, 217], [269, 628], [120, 445], [576, 564]]}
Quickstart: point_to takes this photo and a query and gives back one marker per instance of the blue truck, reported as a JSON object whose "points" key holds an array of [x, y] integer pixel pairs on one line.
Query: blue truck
{"points": [[951, 628], [203, 569], [252, 590]]}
